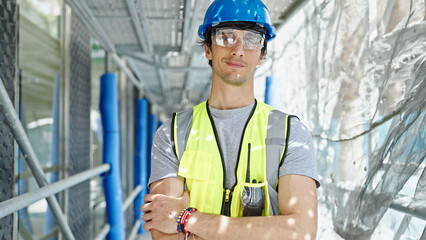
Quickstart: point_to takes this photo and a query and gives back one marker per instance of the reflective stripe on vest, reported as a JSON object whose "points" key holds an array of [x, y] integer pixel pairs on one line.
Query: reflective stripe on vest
{"points": [[197, 147]]}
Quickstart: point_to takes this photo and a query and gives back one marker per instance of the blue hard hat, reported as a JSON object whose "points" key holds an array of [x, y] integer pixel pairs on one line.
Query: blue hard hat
{"points": [[238, 11]]}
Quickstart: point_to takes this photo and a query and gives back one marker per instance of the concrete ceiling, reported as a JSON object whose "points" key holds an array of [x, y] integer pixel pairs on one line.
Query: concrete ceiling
{"points": [[159, 41]]}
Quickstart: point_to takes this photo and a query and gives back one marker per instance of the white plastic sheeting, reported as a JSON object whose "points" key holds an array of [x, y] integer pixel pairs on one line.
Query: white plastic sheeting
{"points": [[354, 71]]}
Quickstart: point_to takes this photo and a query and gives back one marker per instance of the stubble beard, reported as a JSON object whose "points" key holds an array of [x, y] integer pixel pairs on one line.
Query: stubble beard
{"points": [[233, 78]]}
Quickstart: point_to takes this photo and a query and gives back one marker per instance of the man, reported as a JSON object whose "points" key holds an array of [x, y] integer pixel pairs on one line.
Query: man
{"points": [[234, 155]]}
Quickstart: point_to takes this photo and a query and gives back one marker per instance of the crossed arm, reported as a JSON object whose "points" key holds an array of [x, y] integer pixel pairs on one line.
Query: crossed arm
{"points": [[297, 198]]}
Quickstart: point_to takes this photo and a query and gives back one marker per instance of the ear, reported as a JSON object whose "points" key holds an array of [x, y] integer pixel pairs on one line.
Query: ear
{"points": [[208, 52]]}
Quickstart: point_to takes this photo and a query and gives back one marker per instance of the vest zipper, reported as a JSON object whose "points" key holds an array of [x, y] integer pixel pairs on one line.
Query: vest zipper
{"points": [[227, 193], [224, 210], [226, 204]]}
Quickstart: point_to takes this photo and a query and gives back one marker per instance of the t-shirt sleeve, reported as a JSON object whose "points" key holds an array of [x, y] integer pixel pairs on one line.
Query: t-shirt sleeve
{"points": [[299, 157], [164, 163]]}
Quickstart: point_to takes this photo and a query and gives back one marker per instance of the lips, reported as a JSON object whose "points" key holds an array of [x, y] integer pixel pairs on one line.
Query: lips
{"points": [[235, 64]]}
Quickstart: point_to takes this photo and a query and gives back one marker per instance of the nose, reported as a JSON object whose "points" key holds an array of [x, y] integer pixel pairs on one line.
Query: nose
{"points": [[238, 48]]}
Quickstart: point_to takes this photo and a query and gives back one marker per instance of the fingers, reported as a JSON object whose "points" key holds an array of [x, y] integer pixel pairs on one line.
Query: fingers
{"points": [[147, 217], [148, 197], [148, 226], [147, 207]]}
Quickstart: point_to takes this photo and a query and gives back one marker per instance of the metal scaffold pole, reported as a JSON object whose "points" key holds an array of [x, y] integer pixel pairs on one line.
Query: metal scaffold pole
{"points": [[14, 204], [21, 138]]}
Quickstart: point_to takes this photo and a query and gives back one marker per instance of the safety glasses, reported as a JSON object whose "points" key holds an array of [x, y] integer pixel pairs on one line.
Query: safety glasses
{"points": [[228, 37]]}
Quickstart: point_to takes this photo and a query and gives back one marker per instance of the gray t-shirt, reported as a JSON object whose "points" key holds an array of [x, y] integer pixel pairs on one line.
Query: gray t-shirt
{"points": [[229, 125]]}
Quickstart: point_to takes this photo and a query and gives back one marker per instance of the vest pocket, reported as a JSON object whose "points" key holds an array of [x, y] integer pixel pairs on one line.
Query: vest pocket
{"points": [[197, 169], [236, 204]]}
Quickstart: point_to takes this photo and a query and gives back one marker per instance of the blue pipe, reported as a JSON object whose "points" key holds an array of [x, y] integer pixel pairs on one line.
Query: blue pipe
{"points": [[141, 160], [153, 125], [111, 150], [268, 84], [49, 221]]}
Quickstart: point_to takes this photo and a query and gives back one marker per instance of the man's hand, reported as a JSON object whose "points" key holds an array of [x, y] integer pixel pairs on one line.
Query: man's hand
{"points": [[161, 211]]}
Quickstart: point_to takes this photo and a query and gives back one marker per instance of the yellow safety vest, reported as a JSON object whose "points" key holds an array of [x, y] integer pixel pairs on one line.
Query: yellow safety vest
{"points": [[201, 163]]}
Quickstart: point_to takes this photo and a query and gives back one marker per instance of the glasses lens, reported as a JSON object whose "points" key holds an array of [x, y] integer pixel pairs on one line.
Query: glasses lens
{"points": [[252, 40], [224, 37], [227, 37]]}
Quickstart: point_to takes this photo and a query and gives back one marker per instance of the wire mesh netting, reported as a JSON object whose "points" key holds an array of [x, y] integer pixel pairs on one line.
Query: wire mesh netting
{"points": [[127, 135], [355, 73], [79, 127], [8, 53]]}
